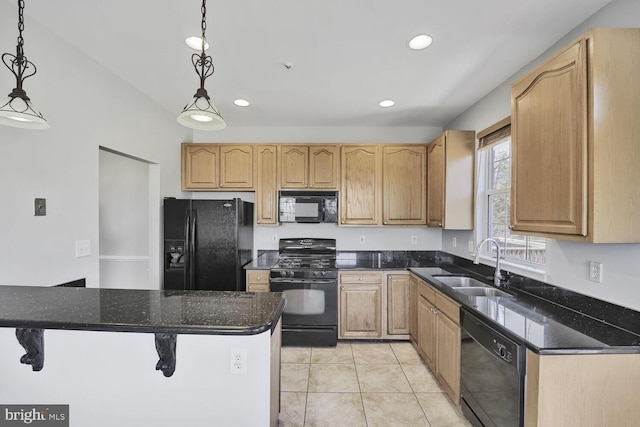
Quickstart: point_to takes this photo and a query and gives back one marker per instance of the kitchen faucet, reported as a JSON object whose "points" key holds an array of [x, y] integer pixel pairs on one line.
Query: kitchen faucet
{"points": [[497, 277]]}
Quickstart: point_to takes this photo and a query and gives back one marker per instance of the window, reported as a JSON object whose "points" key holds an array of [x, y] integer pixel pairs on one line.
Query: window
{"points": [[495, 159]]}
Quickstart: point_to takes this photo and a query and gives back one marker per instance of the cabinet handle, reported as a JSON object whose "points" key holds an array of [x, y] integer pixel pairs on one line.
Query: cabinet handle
{"points": [[510, 227], [439, 224], [360, 278]]}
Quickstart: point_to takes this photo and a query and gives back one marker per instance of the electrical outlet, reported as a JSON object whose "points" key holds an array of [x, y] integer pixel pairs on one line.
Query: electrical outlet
{"points": [[595, 271], [83, 248], [414, 240], [472, 249], [454, 242], [362, 239], [238, 361], [274, 238]]}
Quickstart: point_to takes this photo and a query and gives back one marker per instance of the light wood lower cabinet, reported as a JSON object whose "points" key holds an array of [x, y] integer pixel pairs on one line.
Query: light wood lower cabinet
{"points": [[438, 336], [360, 305], [582, 390], [374, 304], [258, 280], [398, 293]]}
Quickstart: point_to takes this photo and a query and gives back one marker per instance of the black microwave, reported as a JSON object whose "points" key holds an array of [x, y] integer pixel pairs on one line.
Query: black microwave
{"points": [[308, 206]]}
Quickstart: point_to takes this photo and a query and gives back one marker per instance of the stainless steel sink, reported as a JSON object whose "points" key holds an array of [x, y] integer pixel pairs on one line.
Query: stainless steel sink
{"points": [[483, 292], [460, 281]]}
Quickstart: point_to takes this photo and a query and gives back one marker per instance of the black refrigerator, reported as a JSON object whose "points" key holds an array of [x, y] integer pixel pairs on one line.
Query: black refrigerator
{"points": [[207, 243]]}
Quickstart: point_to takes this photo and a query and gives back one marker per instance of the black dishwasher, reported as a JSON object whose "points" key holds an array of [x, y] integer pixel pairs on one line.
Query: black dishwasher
{"points": [[492, 374]]}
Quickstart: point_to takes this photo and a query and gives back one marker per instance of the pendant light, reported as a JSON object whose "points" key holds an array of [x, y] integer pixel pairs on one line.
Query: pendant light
{"points": [[17, 110], [201, 113]]}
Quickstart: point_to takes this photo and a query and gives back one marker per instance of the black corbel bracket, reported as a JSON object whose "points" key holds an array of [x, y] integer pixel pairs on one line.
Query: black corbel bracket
{"points": [[166, 348], [32, 340]]}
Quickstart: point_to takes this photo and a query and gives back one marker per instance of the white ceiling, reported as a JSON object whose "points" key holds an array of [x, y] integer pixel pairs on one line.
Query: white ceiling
{"points": [[347, 55]]}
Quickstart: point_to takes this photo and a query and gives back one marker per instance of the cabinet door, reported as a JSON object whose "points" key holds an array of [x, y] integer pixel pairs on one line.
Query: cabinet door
{"points": [[404, 180], [236, 166], [426, 331], [266, 185], [413, 308], [398, 290], [360, 185], [200, 166], [323, 166], [360, 311], [549, 146], [435, 182], [294, 163], [448, 356]]}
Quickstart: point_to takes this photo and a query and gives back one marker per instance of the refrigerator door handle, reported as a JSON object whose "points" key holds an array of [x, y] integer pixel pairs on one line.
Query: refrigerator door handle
{"points": [[192, 250], [187, 249]]}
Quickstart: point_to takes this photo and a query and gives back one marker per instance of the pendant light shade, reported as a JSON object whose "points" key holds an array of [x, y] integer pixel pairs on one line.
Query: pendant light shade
{"points": [[17, 110], [201, 113]]}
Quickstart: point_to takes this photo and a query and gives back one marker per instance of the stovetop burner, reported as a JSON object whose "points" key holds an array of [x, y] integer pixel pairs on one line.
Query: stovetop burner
{"points": [[305, 258]]}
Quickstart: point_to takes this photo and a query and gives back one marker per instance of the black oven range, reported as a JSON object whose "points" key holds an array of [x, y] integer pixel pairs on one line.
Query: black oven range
{"points": [[307, 276]]}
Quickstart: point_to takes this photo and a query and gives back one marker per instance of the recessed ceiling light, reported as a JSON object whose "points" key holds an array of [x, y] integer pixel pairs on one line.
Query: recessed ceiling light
{"points": [[241, 102], [421, 41], [386, 103], [195, 42]]}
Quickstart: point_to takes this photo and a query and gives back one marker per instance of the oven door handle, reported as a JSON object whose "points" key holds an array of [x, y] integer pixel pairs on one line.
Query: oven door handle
{"points": [[286, 282]]}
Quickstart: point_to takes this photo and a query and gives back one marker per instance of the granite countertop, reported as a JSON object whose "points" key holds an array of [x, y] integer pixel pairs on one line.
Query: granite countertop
{"points": [[541, 326], [151, 311]]}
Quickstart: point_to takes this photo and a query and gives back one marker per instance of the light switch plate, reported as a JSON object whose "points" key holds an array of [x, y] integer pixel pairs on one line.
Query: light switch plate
{"points": [[40, 207]]}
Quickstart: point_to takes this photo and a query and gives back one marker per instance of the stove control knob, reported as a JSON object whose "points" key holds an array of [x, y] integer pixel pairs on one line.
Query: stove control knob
{"points": [[291, 273], [316, 273], [324, 273]]}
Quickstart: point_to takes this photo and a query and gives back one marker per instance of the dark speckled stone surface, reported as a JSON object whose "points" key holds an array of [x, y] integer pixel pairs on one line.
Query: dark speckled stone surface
{"points": [[544, 327], [120, 310]]}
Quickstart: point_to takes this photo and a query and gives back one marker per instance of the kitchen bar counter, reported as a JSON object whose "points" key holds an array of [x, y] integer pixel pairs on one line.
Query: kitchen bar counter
{"points": [[540, 325], [100, 352], [120, 310]]}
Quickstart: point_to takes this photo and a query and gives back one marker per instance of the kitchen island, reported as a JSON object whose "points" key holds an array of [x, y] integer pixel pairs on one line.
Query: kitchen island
{"points": [[140, 357]]}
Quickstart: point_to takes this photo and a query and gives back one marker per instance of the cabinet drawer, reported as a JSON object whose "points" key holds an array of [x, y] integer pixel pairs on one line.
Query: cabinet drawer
{"points": [[448, 307], [360, 278], [257, 288], [427, 292], [258, 277]]}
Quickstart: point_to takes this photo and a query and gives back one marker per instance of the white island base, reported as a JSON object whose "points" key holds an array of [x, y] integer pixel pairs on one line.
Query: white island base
{"points": [[109, 379]]}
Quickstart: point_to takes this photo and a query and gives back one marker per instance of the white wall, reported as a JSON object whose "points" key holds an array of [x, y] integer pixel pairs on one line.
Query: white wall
{"points": [[567, 262], [86, 107], [124, 222]]}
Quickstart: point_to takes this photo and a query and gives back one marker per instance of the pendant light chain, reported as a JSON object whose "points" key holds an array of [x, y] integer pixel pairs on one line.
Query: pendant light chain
{"points": [[20, 27], [203, 9]]}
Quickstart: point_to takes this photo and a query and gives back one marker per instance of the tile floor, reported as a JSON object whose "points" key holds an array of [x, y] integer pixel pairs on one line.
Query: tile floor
{"points": [[362, 384]]}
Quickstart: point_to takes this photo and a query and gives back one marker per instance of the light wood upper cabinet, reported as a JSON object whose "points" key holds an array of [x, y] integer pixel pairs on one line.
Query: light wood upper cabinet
{"points": [[404, 180], [200, 168], [208, 167], [236, 166], [323, 166], [360, 185], [450, 180], [575, 128], [266, 185], [308, 166], [435, 187]]}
